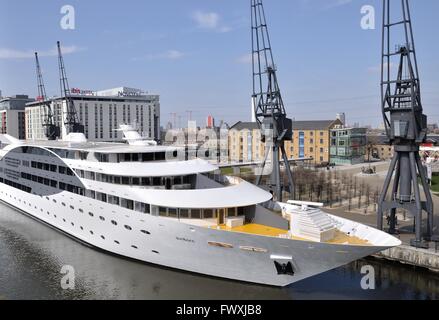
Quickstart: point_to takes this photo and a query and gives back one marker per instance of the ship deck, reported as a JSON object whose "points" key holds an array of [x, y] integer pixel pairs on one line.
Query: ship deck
{"points": [[257, 229]]}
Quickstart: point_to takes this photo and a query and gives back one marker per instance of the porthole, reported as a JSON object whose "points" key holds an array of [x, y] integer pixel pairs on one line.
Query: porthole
{"points": [[72, 207], [91, 232], [64, 220], [114, 222], [128, 227], [81, 227], [63, 204], [54, 215], [154, 251], [102, 218], [103, 238], [91, 214], [145, 232], [54, 200], [80, 210], [115, 241], [72, 224], [134, 247]]}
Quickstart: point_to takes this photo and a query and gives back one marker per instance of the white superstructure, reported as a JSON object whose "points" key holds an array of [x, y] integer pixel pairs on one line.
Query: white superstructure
{"points": [[150, 203]]}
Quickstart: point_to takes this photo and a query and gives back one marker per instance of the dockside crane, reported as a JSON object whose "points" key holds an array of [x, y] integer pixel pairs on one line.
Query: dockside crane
{"points": [[275, 126], [51, 130], [71, 117], [405, 123]]}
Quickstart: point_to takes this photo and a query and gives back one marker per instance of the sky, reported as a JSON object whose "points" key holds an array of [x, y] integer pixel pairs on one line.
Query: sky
{"points": [[195, 53]]}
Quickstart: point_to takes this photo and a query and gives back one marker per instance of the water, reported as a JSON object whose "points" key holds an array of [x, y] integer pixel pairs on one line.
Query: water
{"points": [[32, 255]]}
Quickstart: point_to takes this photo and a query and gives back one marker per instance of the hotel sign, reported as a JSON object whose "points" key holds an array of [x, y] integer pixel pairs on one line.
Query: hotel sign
{"points": [[81, 92]]}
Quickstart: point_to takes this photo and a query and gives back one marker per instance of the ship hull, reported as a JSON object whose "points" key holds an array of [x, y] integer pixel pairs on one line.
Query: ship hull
{"points": [[170, 243]]}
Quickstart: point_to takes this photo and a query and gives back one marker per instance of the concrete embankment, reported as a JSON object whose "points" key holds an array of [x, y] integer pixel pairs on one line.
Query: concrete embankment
{"points": [[405, 254]]}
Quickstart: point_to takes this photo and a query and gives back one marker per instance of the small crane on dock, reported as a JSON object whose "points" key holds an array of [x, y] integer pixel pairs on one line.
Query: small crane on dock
{"points": [[275, 126], [51, 130]]}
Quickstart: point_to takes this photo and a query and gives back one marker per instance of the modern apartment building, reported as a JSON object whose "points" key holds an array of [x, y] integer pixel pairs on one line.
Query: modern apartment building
{"points": [[348, 145], [12, 119], [101, 113]]}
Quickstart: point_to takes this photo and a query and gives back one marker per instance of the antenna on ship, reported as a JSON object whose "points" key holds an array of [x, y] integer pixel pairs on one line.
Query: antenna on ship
{"points": [[71, 121], [269, 109], [51, 130], [406, 126]]}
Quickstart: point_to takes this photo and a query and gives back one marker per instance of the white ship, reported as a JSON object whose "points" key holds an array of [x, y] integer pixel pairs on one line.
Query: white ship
{"points": [[129, 199]]}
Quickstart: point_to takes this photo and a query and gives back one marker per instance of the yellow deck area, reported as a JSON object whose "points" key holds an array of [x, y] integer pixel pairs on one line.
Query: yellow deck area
{"points": [[340, 237]]}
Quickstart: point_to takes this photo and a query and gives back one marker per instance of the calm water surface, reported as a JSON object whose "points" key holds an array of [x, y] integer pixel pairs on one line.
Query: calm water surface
{"points": [[32, 255]]}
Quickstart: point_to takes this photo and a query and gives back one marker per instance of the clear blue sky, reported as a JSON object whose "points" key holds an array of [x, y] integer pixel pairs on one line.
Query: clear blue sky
{"points": [[194, 53]]}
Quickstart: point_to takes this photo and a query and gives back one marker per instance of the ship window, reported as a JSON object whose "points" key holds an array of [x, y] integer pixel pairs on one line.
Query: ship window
{"points": [[208, 214], [53, 168], [125, 203], [163, 212], [184, 213], [157, 181], [146, 182], [128, 227], [136, 181], [62, 170], [231, 212], [117, 180], [147, 157], [172, 212], [126, 180], [39, 165], [240, 211], [135, 157], [53, 183], [196, 214], [160, 156]]}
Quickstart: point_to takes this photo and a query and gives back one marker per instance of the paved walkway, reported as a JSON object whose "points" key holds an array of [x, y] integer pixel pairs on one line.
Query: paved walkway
{"points": [[377, 181]]}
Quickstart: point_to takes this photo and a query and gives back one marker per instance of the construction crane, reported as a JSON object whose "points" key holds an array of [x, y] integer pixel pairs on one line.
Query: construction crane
{"points": [[405, 123], [51, 130], [71, 121], [269, 108]]}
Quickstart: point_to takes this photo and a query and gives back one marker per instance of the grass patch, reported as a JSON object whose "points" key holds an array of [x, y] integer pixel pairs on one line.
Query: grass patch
{"points": [[435, 183], [229, 171]]}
